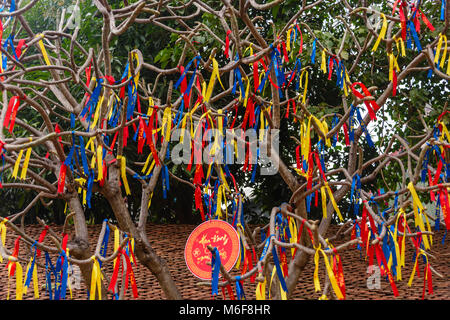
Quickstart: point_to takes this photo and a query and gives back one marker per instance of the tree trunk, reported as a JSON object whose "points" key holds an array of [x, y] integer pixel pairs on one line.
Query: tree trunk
{"points": [[143, 249]]}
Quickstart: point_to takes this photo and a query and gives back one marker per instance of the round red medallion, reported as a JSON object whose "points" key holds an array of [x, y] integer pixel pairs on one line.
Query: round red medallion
{"points": [[217, 233]]}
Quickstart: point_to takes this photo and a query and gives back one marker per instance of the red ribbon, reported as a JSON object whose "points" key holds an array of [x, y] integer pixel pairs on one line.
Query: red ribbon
{"points": [[198, 201], [338, 271], [227, 44], [183, 87], [140, 136], [443, 197], [426, 21], [255, 76], [11, 113], [62, 178], [41, 238], [394, 82], [114, 277], [15, 254], [286, 57], [371, 105]]}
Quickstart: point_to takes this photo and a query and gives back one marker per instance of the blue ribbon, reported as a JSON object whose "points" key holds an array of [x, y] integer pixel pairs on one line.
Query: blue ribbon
{"points": [[104, 247], [215, 267], [239, 289], [49, 269], [61, 278], [363, 126], [278, 268], [30, 271], [93, 101], [413, 33], [313, 52]]}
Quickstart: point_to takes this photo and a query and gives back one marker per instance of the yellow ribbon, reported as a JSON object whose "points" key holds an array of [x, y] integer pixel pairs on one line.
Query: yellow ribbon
{"points": [[42, 47], [34, 278], [400, 46], [382, 32], [100, 162], [418, 216], [293, 232], [17, 164], [331, 276], [411, 278], [116, 243], [304, 85], [215, 74], [442, 41], [19, 280], [166, 123], [2, 235], [96, 280], [323, 65], [123, 173], [444, 132], [97, 113], [261, 290], [23, 174], [400, 251]]}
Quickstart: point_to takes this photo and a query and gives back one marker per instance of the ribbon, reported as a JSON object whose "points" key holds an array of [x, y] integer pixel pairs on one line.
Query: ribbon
{"points": [[215, 263], [331, 276], [261, 290], [19, 280], [31, 273], [418, 216], [279, 270], [227, 44], [96, 280], [41, 238], [42, 47], [371, 105], [11, 113], [123, 173], [62, 178], [382, 32]]}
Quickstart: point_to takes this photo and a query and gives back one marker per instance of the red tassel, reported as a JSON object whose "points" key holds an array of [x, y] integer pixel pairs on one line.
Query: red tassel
{"points": [[15, 255], [227, 44], [115, 274], [130, 275], [111, 80], [443, 197], [255, 76], [371, 105], [286, 57], [183, 87], [297, 158], [41, 238], [11, 113], [430, 183], [198, 201], [140, 136], [330, 68], [347, 139], [286, 116], [430, 279], [301, 40], [394, 83], [402, 20], [426, 21], [62, 178]]}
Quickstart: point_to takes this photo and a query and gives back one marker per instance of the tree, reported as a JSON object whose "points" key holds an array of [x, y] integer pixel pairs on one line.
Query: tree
{"points": [[71, 110]]}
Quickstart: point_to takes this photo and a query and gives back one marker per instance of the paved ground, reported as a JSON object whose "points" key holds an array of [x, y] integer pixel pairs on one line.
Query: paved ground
{"points": [[169, 242]]}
